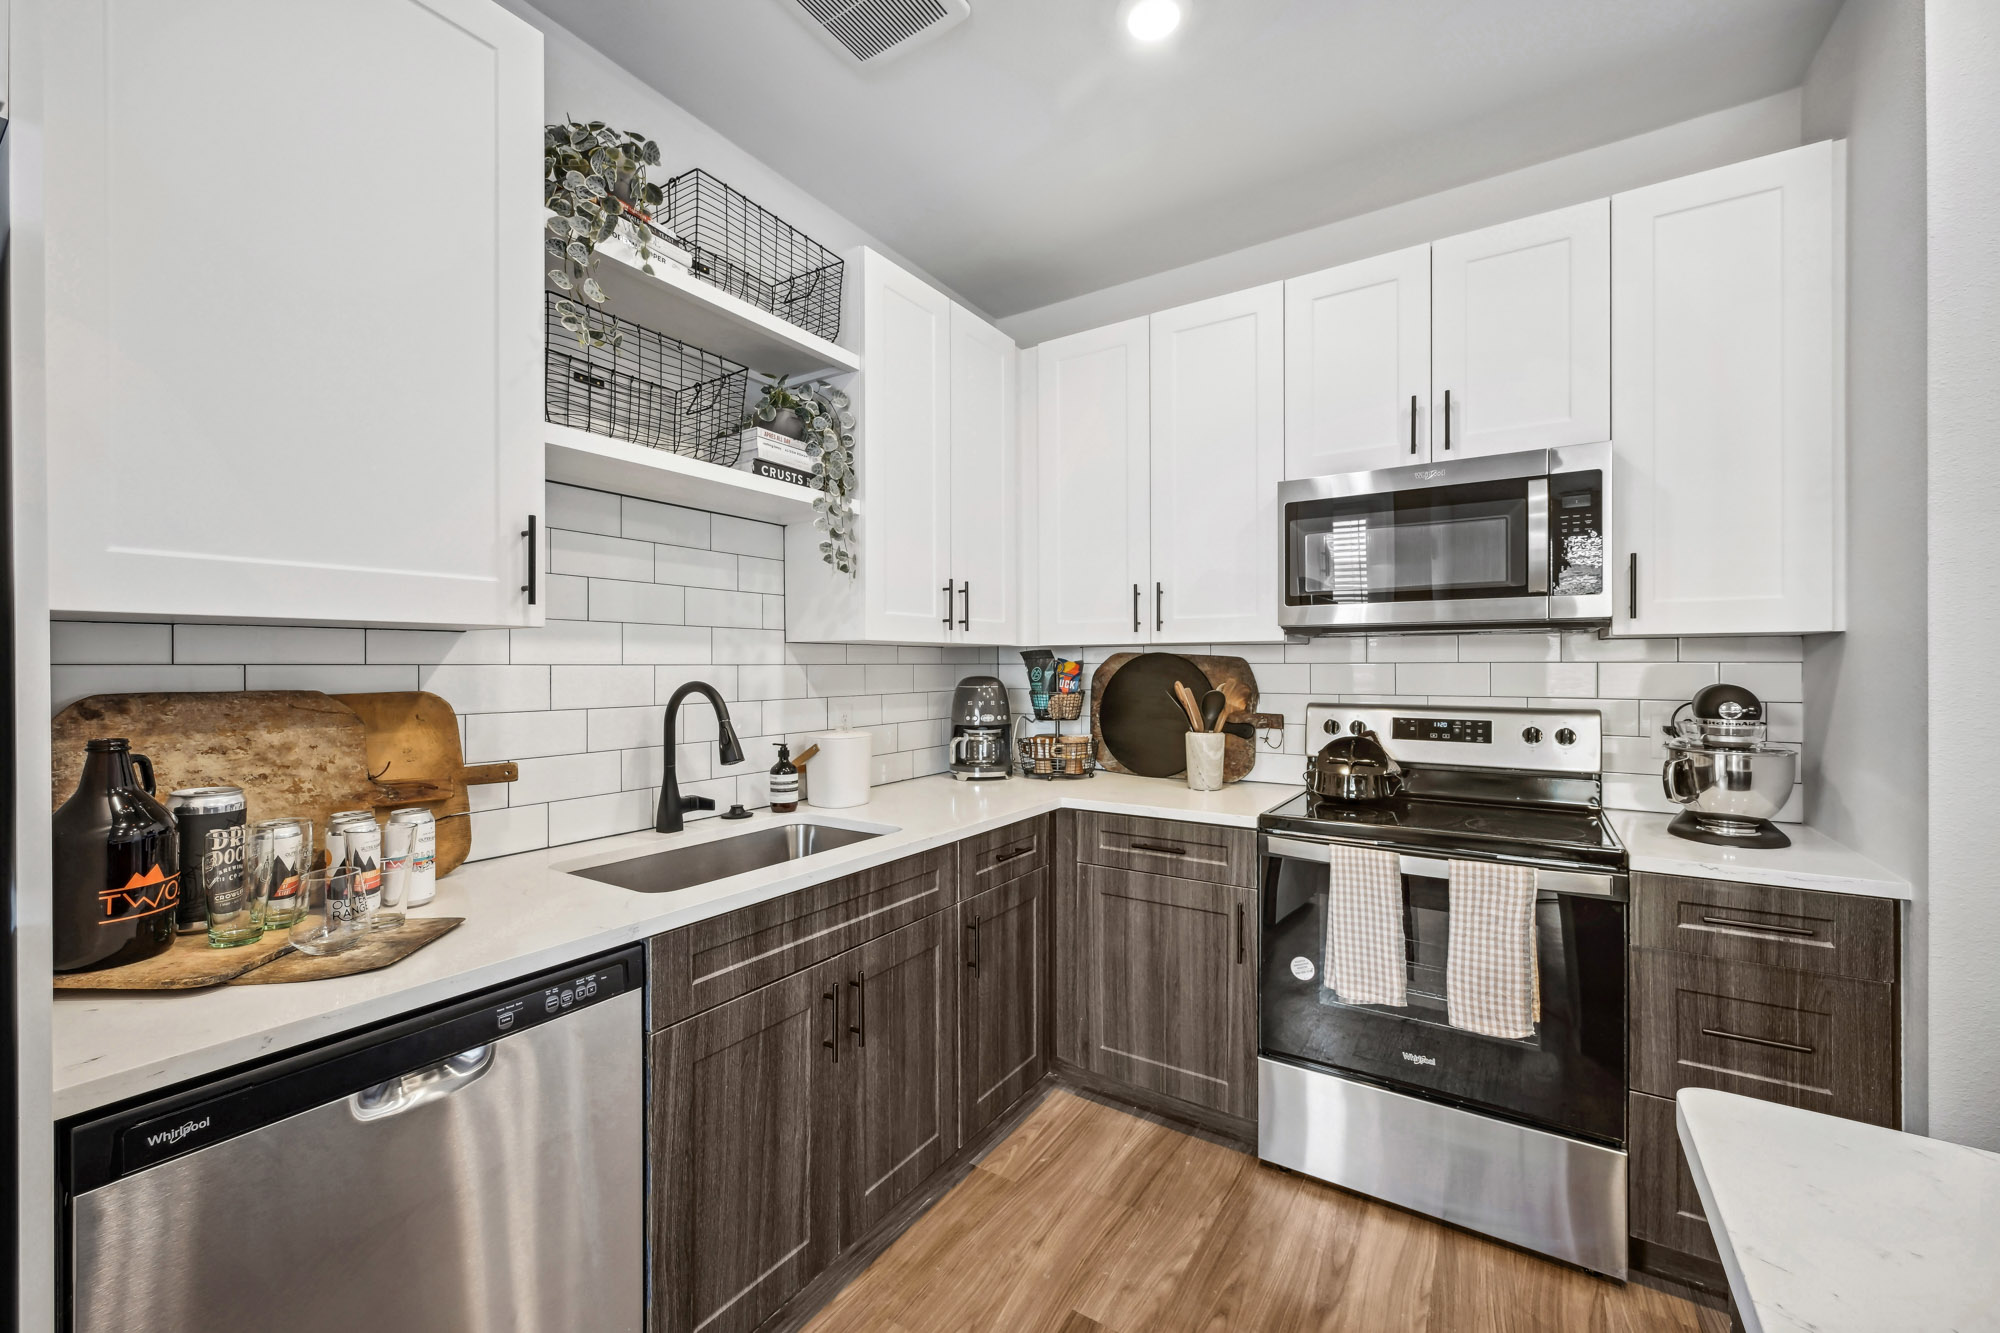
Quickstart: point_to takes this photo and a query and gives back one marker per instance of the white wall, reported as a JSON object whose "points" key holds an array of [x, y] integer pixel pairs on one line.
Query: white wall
{"points": [[1962, 97], [585, 83], [1764, 126], [1866, 723]]}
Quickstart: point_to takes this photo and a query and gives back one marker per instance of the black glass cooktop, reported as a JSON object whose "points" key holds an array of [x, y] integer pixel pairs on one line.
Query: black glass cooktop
{"points": [[1538, 832]]}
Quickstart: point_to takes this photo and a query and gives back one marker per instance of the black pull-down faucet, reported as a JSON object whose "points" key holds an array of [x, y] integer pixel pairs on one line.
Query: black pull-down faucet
{"points": [[671, 801]]}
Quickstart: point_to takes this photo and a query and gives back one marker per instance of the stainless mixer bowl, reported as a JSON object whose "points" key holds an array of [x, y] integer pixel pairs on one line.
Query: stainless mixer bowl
{"points": [[1729, 789]]}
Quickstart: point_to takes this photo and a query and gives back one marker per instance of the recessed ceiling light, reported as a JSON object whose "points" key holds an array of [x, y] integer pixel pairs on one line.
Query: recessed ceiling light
{"points": [[1153, 20]]}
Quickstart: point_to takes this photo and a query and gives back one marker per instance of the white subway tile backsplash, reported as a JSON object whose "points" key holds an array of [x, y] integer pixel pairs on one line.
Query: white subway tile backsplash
{"points": [[871, 654], [67, 684], [1332, 678], [631, 728], [668, 644], [650, 521], [92, 642], [1581, 647], [789, 715], [429, 647], [599, 557], [1620, 716], [816, 654], [1776, 681], [693, 568], [1634, 754], [905, 707], [714, 606], [772, 682], [565, 597], [641, 767], [918, 653], [1412, 648], [600, 686], [1444, 678], [745, 536], [854, 711], [581, 510], [749, 646], [647, 603], [263, 644], [942, 676], [1328, 648], [1744, 648], [600, 816], [493, 737], [512, 829], [836, 680], [1653, 680], [339, 678], [891, 679], [1282, 677], [754, 574], [564, 777], [667, 679], [565, 641], [488, 689], [1546, 677], [899, 767], [1511, 646]]}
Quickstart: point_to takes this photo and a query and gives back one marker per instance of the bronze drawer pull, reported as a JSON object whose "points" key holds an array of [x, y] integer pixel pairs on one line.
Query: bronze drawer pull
{"points": [[1757, 927], [1155, 847], [832, 1042], [1005, 857], [1757, 1041], [861, 1009]]}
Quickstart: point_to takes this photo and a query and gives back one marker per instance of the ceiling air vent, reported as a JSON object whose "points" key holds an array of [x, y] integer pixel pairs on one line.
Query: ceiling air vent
{"points": [[875, 30]]}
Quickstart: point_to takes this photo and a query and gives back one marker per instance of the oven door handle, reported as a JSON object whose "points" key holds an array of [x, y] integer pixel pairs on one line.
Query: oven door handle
{"points": [[1594, 884], [1538, 536]]}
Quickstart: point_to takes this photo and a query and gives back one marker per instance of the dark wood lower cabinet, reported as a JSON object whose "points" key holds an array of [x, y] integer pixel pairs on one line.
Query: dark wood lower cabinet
{"points": [[1169, 985], [745, 1128], [1003, 1005], [899, 1067], [1666, 1209]]}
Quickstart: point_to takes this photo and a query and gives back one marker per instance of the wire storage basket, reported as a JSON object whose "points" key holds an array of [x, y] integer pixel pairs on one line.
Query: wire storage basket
{"points": [[649, 389], [751, 252]]}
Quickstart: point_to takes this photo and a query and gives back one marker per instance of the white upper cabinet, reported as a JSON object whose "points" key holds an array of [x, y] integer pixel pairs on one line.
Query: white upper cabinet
{"points": [[1218, 453], [1358, 365], [1729, 455], [1521, 335], [293, 366], [1094, 486], [985, 461]]}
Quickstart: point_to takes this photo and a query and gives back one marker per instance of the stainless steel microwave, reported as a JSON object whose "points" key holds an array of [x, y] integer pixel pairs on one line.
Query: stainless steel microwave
{"points": [[1509, 539]]}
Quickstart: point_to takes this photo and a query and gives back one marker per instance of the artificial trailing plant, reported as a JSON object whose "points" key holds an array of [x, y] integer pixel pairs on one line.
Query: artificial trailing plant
{"points": [[594, 183], [826, 428]]}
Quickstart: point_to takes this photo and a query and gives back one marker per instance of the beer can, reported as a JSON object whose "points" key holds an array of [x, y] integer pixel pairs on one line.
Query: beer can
{"points": [[278, 852], [211, 822], [358, 849], [410, 850]]}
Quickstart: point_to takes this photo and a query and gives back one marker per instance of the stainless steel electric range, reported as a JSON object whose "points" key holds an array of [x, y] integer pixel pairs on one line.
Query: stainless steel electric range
{"points": [[1523, 1140]]}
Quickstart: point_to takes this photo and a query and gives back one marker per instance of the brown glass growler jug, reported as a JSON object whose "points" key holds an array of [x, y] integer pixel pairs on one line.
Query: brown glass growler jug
{"points": [[117, 864]]}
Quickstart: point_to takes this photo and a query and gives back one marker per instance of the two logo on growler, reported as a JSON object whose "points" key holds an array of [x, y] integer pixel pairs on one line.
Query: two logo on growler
{"points": [[147, 893]]}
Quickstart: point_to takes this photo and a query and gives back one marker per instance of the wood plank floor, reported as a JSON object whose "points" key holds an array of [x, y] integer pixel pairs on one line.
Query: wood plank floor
{"points": [[1087, 1218]]}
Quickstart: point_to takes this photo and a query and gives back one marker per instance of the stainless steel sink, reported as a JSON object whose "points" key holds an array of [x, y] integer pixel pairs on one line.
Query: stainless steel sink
{"points": [[685, 867]]}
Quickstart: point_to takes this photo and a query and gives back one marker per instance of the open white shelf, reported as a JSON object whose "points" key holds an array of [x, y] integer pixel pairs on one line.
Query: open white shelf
{"points": [[604, 464], [673, 301]]}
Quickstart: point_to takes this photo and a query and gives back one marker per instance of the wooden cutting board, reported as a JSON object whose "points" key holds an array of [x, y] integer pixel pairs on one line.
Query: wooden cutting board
{"points": [[1231, 675], [294, 752], [191, 965]]}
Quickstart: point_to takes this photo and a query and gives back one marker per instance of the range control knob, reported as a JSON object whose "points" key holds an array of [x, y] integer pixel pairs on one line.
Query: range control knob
{"points": [[1357, 726], [1532, 735], [1331, 726], [1565, 737]]}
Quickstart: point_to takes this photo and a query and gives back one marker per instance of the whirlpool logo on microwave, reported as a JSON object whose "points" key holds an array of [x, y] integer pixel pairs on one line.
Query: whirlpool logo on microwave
{"points": [[1416, 1059]]}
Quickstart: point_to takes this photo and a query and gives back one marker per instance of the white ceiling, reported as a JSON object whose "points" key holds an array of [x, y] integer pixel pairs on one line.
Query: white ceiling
{"points": [[1034, 153]]}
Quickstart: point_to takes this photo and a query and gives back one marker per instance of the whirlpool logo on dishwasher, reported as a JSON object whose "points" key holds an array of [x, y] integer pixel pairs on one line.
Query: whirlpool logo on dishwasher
{"points": [[171, 1136], [1416, 1059]]}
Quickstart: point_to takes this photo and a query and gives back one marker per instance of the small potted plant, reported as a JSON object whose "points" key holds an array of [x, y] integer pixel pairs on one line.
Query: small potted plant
{"points": [[594, 183], [816, 414]]}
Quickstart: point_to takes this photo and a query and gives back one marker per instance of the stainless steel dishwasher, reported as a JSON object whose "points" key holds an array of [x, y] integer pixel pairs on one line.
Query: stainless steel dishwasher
{"points": [[475, 1168]]}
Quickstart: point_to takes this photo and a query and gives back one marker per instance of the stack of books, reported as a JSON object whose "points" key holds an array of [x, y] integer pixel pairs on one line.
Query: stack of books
{"points": [[780, 457]]}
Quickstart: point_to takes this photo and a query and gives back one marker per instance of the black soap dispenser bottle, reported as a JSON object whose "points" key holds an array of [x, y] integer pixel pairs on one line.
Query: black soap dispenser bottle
{"points": [[784, 782]]}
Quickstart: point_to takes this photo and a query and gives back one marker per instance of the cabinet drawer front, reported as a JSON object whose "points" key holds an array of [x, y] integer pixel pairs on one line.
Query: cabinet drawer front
{"points": [[1163, 847], [1825, 1043], [700, 966], [986, 860], [1837, 934], [1665, 1207]]}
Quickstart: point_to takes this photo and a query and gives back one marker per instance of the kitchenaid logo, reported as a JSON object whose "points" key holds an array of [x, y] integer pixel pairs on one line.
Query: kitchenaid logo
{"points": [[1429, 473], [1416, 1059], [169, 1137]]}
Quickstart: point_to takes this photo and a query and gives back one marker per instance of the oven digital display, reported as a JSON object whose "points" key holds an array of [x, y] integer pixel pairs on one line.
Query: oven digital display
{"points": [[1468, 731]]}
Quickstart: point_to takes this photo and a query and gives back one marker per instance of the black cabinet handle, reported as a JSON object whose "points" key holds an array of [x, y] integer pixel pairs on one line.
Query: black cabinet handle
{"points": [[1757, 1041], [1159, 606], [947, 603], [1632, 588], [1447, 420], [1759, 928], [860, 983], [965, 606], [1005, 857], [1135, 608], [1413, 423], [1155, 847], [972, 944], [533, 553], [832, 1042], [1239, 934]]}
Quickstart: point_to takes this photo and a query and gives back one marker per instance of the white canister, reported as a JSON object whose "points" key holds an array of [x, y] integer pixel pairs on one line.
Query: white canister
{"points": [[1204, 760], [842, 771]]}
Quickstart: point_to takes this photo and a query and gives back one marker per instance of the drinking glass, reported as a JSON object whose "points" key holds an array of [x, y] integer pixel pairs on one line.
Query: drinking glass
{"points": [[235, 917], [398, 842], [334, 911], [280, 851]]}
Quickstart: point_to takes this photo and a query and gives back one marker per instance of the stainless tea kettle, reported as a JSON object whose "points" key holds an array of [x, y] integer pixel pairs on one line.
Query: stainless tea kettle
{"points": [[1354, 768]]}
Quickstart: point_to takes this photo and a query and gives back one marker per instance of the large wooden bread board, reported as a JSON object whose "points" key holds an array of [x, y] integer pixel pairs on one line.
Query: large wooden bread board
{"points": [[192, 965], [1231, 675]]}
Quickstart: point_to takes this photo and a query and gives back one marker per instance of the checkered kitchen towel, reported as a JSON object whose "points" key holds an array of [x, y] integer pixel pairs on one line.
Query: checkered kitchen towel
{"points": [[1490, 981], [1365, 960]]}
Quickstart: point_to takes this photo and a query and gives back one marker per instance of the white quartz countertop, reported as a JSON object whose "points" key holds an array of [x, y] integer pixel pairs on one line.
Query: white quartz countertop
{"points": [[1829, 1224], [524, 914], [1813, 861]]}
